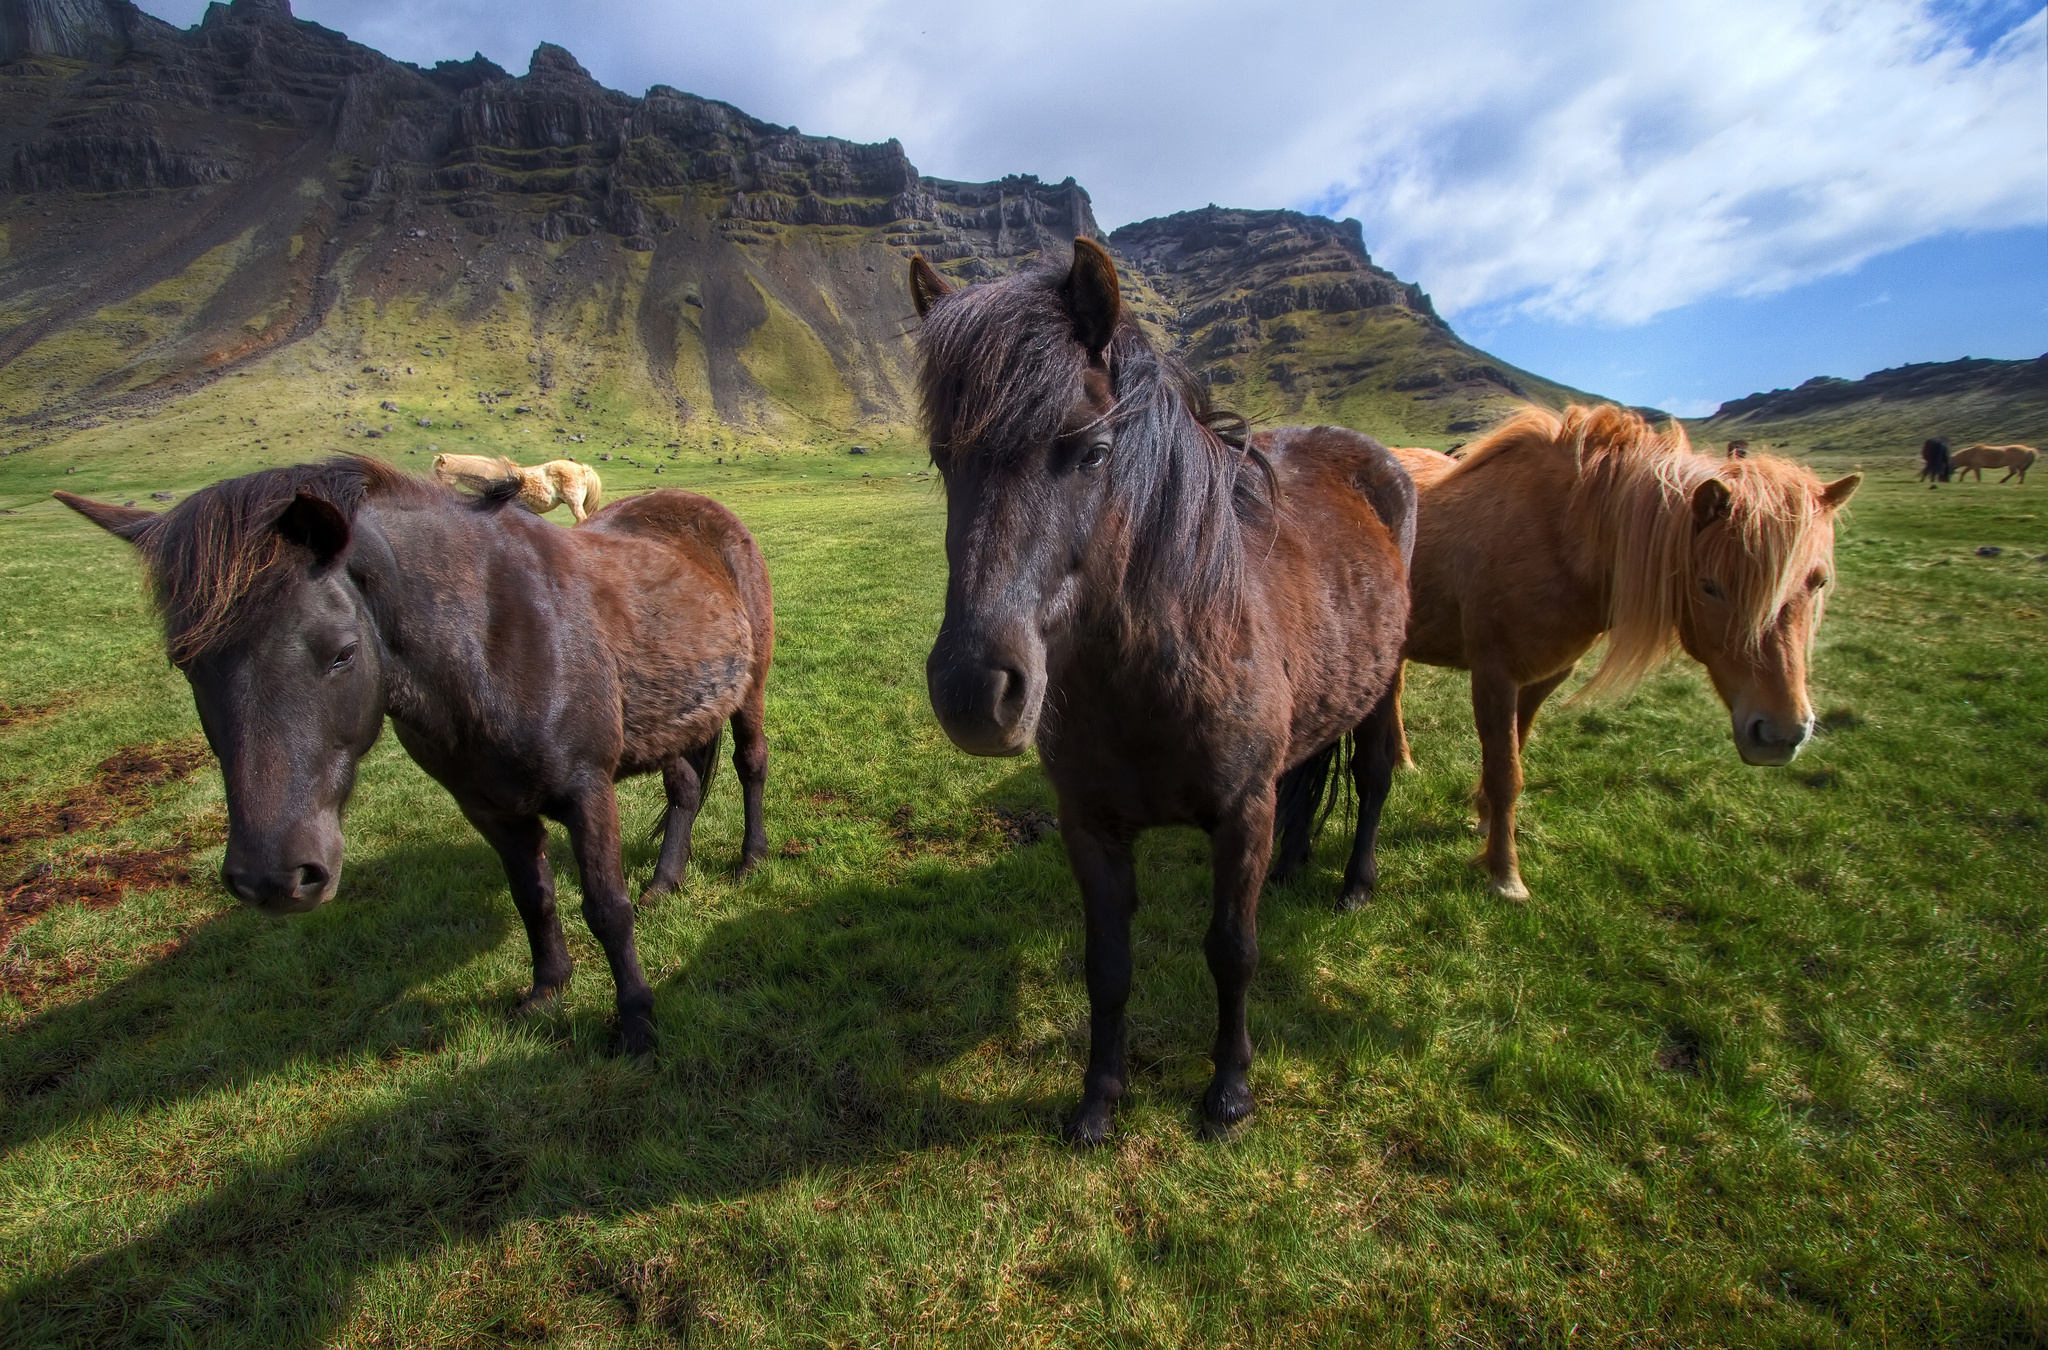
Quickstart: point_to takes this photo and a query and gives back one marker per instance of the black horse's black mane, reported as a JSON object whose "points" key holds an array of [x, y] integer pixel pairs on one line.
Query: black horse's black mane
{"points": [[210, 554], [1001, 371]]}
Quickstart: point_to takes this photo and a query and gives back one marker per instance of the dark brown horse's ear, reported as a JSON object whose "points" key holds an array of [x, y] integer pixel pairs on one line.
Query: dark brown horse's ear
{"points": [[126, 521], [317, 523], [1710, 503], [1836, 495], [927, 287], [1091, 295]]}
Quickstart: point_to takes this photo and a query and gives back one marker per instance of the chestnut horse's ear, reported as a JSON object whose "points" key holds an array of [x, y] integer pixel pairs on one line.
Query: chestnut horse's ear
{"points": [[1090, 291], [126, 521], [1836, 495], [317, 523], [1710, 501], [927, 287]]}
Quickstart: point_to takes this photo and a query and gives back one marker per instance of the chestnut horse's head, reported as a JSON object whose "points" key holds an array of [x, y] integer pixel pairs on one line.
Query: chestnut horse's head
{"points": [[1080, 467], [1730, 559], [282, 656]]}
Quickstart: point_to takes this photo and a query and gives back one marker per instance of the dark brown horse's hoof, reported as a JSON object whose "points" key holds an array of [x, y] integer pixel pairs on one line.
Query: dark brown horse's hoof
{"points": [[1088, 1127], [538, 1000], [1358, 897], [636, 1038], [1224, 1105], [657, 890]]}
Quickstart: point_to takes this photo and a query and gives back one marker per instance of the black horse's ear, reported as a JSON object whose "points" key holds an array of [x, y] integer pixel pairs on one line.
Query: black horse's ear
{"points": [[126, 521], [927, 287], [317, 523], [1710, 502], [1090, 291]]}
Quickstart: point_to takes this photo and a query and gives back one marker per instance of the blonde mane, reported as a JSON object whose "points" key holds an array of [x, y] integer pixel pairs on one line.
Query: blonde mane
{"points": [[1635, 489]]}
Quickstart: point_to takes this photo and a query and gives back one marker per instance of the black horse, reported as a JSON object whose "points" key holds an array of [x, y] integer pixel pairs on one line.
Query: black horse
{"points": [[526, 667], [1935, 464]]}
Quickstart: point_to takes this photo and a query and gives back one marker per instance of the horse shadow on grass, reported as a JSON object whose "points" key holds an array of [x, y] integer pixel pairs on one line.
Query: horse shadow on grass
{"points": [[795, 1039]]}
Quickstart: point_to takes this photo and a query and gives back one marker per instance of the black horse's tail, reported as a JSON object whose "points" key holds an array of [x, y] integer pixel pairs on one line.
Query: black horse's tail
{"points": [[1304, 802], [704, 759]]}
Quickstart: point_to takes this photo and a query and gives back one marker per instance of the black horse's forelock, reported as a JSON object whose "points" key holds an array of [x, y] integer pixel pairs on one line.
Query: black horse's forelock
{"points": [[213, 554], [1002, 368]]}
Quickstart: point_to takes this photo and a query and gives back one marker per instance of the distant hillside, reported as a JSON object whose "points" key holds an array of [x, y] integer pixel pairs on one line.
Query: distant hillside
{"points": [[259, 191], [1290, 320], [1895, 410]]}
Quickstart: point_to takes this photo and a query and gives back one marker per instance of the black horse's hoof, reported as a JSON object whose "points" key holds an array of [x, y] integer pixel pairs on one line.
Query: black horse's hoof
{"points": [[1225, 1104], [1354, 898], [1088, 1127], [636, 1034], [538, 999], [658, 889]]}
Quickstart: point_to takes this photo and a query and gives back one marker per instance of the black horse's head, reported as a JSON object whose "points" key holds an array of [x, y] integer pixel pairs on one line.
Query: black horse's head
{"points": [[279, 647], [1082, 473]]}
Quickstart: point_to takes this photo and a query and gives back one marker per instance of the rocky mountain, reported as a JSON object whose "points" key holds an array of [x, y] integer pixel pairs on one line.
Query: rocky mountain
{"points": [[1968, 400], [262, 192]]}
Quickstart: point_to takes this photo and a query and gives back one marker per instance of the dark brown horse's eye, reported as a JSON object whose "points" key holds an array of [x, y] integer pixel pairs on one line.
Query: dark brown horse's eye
{"points": [[1093, 455], [343, 657]]}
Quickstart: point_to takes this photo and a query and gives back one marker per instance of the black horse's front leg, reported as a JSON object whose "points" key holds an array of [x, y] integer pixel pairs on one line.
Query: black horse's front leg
{"points": [[593, 823], [1109, 894], [1375, 749], [1239, 848], [522, 846]]}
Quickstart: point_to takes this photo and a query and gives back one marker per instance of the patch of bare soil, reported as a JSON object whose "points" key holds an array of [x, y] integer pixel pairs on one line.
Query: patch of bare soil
{"points": [[21, 714], [121, 787]]}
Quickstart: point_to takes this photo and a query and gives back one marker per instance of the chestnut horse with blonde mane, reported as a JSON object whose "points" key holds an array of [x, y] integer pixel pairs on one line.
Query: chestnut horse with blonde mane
{"points": [[2014, 459], [1552, 532]]}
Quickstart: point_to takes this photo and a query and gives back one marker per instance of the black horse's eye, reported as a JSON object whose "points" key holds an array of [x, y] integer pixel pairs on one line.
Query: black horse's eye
{"points": [[1712, 588], [1093, 454], [343, 657]]}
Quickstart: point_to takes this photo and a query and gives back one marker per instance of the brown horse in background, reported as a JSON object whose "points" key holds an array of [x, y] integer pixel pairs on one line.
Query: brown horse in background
{"points": [[2014, 459], [1551, 532], [543, 487], [1175, 617], [526, 668]]}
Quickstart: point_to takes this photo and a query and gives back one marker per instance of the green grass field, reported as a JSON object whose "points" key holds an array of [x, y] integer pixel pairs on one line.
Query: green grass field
{"points": [[1764, 1062]]}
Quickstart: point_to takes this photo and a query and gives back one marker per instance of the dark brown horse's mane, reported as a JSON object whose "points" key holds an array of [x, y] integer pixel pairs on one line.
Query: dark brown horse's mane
{"points": [[1002, 368], [218, 548]]}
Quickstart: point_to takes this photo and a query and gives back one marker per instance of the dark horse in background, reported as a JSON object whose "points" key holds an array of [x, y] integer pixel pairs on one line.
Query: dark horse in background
{"points": [[525, 667], [1177, 619], [1935, 461]]}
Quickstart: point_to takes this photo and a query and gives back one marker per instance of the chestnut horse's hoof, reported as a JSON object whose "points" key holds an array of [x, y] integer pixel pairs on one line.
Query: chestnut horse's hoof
{"points": [[1225, 1104], [1509, 888], [1088, 1127]]}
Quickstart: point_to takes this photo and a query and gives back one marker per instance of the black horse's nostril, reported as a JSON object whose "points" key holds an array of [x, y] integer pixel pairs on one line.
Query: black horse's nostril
{"points": [[238, 885], [1010, 691], [312, 879]]}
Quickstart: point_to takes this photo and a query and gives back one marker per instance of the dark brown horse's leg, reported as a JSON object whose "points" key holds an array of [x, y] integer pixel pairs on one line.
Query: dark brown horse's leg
{"points": [[1109, 895], [1495, 700], [1377, 747], [683, 779], [750, 761], [522, 846], [1531, 698], [593, 821], [1239, 848]]}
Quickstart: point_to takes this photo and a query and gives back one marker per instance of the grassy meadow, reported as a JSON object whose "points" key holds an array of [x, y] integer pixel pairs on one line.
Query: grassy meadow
{"points": [[1763, 1063]]}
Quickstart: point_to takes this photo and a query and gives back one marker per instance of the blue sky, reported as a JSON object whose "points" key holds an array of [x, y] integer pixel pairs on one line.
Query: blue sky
{"points": [[1674, 203]]}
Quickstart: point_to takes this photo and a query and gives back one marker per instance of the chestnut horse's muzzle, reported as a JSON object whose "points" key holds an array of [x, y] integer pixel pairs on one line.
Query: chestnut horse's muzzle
{"points": [[1768, 742]]}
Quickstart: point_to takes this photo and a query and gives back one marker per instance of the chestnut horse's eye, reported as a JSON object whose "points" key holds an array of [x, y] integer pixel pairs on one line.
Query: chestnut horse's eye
{"points": [[1093, 454], [1712, 588], [343, 657]]}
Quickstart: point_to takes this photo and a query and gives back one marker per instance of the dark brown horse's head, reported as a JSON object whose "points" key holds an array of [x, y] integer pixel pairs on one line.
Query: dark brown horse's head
{"points": [[1018, 395], [1081, 467], [282, 655]]}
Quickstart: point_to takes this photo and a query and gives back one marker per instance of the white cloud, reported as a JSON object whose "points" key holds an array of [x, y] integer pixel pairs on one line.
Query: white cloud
{"points": [[1601, 160]]}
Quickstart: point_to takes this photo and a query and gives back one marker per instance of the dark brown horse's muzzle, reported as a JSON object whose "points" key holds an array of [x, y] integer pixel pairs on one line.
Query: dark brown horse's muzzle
{"points": [[988, 706], [286, 880]]}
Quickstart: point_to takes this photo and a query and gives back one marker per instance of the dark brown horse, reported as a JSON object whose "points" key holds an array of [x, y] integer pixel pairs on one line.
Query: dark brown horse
{"points": [[526, 667], [1176, 618]]}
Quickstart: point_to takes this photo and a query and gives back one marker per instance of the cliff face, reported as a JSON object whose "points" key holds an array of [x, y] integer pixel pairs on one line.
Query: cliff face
{"points": [[178, 204]]}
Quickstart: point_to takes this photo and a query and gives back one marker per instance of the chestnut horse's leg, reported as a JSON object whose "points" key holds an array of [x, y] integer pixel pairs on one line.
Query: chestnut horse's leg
{"points": [[522, 846], [1531, 698], [750, 761], [1495, 700], [593, 822], [683, 779], [1109, 895], [1376, 748], [1239, 849]]}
